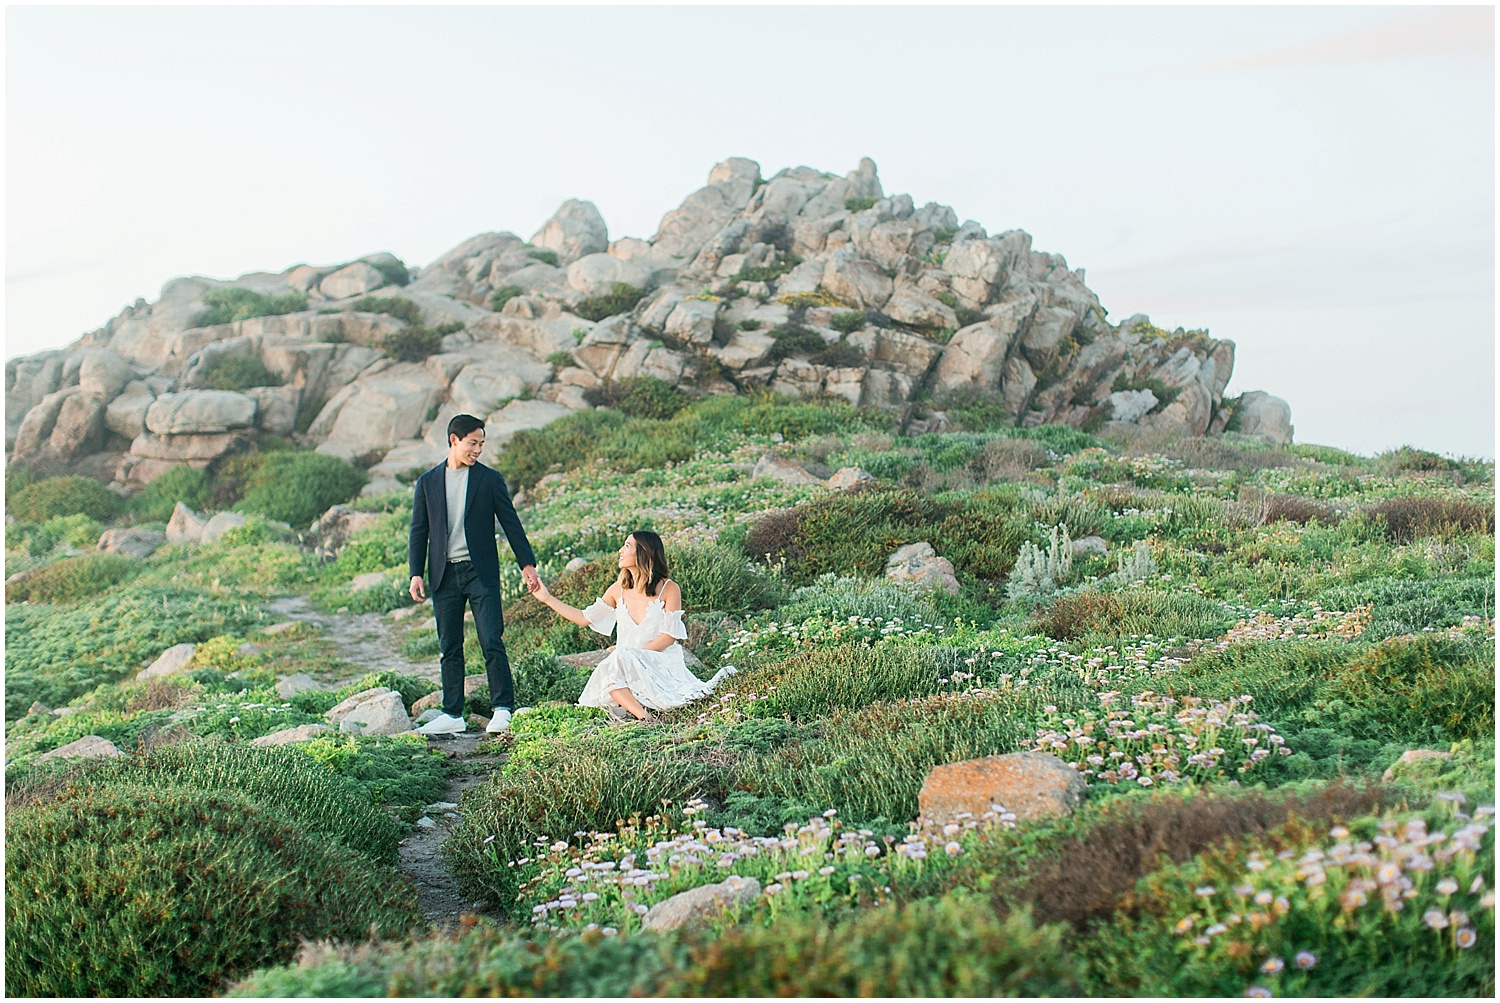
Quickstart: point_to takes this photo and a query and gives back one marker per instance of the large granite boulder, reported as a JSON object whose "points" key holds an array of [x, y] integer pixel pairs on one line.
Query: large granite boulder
{"points": [[87, 747], [131, 542], [919, 564], [1264, 416], [377, 711], [170, 662], [1028, 784], [702, 904], [575, 230], [196, 412], [103, 373]]}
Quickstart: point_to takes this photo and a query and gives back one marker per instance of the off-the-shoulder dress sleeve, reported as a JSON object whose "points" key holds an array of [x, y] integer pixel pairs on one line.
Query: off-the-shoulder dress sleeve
{"points": [[602, 616], [671, 623]]}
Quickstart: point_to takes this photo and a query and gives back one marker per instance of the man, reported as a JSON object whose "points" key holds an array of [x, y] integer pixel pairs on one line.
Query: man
{"points": [[453, 532]]}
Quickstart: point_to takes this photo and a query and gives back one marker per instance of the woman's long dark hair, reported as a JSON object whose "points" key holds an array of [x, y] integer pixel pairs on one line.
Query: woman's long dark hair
{"points": [[651, 557]]}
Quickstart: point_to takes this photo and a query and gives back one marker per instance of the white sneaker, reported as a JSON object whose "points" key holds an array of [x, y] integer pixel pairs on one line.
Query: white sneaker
{"points": [[500, 722], [444, 724]]}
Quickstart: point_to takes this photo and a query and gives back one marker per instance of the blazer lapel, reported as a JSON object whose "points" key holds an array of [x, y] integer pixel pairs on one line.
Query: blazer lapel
{"points": [[437, 507], [473, 490]]}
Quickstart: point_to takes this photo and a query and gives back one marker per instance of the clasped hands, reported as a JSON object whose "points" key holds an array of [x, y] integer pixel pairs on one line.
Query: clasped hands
{"points": [[528, 575]]}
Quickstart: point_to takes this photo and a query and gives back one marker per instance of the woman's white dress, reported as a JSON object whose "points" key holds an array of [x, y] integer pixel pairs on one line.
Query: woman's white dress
{"points": [[660, 680]]}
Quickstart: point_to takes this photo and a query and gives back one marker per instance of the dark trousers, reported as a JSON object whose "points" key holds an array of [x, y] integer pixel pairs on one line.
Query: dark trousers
{"points": [[461, 584]]}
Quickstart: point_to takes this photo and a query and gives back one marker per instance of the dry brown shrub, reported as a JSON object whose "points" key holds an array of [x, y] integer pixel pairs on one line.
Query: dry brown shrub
{"points": [[160, 694], [1409, 518], [1010, 459], [1216, 454], [774, 536], [1080, 613], [1088, 874]]}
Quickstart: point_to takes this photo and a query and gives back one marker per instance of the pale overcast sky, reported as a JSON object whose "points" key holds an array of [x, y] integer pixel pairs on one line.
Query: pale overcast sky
{"points": [[1315, 183]]}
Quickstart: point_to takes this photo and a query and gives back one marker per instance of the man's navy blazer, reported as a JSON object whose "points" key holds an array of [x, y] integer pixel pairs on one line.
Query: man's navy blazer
{"points": [[488, 500]]}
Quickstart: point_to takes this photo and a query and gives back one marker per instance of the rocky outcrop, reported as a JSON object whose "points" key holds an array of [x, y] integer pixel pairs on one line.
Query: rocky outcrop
{"points": [[885, 301]]}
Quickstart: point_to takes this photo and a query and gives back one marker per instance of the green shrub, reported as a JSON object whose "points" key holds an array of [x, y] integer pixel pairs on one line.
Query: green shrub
{"points": [[55, 496], [794, 339], [540, 677], [840, 355], [807, 686], [503, 295], [1411, 690], [1405, 606], [768, 273], [297, 487], [156, 501], [953, 946], [157, 890], [544, 255], [225, 306], [859, 203], [1414, 459], [392, 306], [395, 272], [237, 372], [56, 655], [560, 360], [716, 577], [639, 397], [981, 533], [73, 578], [399, 771], [563, 787], [1422, 688], [412, 344], [870, 762], [949, 947], [295, 783], [621, 298], [847, 321], [977, 410]]}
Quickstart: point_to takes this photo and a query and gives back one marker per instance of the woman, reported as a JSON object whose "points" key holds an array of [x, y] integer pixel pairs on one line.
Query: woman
{"points": [[645, 669]]}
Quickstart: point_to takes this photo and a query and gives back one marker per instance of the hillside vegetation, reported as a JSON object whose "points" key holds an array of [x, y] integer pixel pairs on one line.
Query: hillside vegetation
{"points": [[1247, 639]]}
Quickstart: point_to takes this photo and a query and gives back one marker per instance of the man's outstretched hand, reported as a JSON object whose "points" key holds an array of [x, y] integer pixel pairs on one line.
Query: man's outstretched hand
{"points": [[418, 594], [532, 579]]}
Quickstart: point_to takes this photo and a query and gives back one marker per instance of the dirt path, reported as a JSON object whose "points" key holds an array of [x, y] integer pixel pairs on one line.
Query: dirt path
{"points": [[472, 757], [364, 639], [369, 641]]}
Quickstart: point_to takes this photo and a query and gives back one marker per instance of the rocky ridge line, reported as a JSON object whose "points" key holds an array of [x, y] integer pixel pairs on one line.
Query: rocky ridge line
{"points": [[806, 283]]}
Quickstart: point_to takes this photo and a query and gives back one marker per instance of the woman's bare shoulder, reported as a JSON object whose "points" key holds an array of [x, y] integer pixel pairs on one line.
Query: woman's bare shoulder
{"points": [[671, 595], [612, 594]]}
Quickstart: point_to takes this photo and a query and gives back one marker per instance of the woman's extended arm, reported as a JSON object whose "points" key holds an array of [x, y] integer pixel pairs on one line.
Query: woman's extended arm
{"points": [[562, 609], [671, 599]]}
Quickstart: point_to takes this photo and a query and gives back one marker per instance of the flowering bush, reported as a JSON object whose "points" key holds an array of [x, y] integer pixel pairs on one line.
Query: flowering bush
{"points": [[609, 880], [1151, 470], [1159, 739], [1377, 906]]}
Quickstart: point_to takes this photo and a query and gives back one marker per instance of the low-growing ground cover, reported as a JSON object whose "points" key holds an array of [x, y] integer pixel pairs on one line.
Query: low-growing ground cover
{"points": [[1252, 640]]}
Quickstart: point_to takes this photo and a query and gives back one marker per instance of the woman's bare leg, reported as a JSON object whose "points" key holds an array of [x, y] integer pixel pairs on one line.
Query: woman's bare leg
{"points": [[627, 699]]}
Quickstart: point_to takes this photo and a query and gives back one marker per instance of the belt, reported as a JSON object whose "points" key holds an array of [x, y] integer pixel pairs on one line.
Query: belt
{"points": [[465, 561]]}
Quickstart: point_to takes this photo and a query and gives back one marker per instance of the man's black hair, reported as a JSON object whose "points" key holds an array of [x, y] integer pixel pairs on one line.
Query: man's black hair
{"points": [[462, 425]]}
